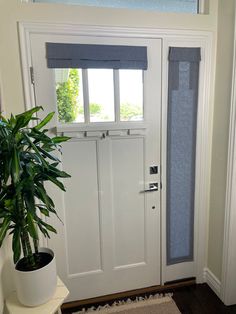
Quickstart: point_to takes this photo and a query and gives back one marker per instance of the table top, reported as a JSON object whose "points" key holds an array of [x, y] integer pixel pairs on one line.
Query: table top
{"points": [[15, 307]]}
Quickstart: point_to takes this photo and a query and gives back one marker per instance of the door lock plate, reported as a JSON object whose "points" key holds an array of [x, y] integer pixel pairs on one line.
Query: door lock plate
{"points": [[153, 169]]}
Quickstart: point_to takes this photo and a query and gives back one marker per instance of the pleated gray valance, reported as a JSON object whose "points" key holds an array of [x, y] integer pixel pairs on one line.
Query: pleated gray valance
{"points": [[63, 55], [184, 54]]}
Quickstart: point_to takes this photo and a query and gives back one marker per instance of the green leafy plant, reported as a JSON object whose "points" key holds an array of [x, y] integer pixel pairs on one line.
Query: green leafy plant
{"points": [[128, 111], [95, 109], [26, 163], [67, 97]]}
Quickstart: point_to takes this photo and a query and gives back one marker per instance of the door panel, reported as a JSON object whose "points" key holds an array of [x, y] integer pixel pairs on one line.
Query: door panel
{"points": [[81, 199], [127, 158], [110, 239]]}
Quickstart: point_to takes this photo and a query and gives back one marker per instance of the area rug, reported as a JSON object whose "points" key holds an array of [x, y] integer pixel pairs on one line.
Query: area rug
{"points": [[151, 305]]}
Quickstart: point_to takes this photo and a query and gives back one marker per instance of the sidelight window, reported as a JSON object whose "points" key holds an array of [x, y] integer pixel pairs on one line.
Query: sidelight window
{"points": [[181, 148]]}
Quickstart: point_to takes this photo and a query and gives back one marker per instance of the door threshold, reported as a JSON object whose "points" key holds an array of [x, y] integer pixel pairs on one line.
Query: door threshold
{"points": [[127, 294]]}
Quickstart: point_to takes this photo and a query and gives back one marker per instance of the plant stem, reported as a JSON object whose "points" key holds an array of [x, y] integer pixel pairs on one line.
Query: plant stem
{"points": [[25, 241], [24, 247], [36, 246], [30, 256]]}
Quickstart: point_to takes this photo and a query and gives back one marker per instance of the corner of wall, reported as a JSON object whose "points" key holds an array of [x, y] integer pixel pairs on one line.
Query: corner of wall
{"points": [[212, 281], [222, 101]]}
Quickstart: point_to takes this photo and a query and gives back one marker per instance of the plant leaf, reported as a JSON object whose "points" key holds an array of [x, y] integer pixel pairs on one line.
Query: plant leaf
{"points": [[60, 139], [45, 121], [49, 227], [31, 144], [31, 227], [44, 231], [44, 152], [15, 165], [56, 182], [24, 118], [44, 210], [4, 228], [41, 193]]}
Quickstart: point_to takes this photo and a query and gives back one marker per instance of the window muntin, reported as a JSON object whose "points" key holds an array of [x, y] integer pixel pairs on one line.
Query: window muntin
{"points": [[99, 95], [179, 6]]}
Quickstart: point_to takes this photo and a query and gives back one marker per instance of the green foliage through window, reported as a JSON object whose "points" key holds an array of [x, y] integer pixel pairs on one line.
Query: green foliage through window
{"points": [[129, 111], [67, 97]]}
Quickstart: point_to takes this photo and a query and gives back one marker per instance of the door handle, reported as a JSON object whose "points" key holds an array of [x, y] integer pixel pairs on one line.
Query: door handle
{"points": [[152, 188]]}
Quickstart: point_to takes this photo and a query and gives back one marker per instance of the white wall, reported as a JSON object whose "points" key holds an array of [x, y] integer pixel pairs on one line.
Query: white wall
{"points": [[1, 288], [220, 133], [6, 279]]}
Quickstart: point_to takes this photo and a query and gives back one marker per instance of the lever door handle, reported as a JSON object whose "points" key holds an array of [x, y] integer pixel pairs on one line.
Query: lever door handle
{"points": [[152, 188]]}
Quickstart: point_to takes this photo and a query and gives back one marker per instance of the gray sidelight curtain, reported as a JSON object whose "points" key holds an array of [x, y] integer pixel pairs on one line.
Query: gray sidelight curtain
{"points": [[63, 55], [181, 151]]}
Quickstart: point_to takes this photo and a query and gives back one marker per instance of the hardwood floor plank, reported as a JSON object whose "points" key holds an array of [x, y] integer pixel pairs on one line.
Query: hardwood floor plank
{"points": [[191, 299]]}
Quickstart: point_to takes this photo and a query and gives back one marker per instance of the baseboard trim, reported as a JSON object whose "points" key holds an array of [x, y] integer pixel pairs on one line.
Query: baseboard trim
{"points": [[212, 281]]}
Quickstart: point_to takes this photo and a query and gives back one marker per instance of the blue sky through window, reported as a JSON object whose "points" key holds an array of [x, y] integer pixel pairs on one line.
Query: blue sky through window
{"points": [[186, 6]]}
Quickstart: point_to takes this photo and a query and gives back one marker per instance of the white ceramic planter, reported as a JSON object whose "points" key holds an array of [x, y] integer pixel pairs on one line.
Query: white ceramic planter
{"points": [[37, 287]]}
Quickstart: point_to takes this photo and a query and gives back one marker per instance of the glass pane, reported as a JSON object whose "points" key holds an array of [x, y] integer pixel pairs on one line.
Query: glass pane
{"points": [[186, 6], [131, 95], [101, 95], [181, 147], [69, 89]]}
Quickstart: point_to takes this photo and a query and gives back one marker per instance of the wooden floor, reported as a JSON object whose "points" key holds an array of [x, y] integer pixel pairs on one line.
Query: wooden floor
{"points": [[200, 299], [194, 299]]}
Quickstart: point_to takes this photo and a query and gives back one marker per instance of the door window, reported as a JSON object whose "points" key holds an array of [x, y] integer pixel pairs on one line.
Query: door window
{"points": [[99, 95], [98, 83]]}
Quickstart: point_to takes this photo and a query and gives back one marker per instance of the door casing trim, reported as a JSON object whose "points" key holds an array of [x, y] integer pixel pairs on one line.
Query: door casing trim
{"points": [[169, 37]]}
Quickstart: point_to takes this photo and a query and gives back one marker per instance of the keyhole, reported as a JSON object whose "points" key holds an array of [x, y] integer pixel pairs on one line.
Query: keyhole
{"points": [[153, 207]]}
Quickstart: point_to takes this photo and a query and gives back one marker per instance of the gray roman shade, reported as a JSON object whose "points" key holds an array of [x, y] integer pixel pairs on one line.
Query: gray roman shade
{"points": [[181, 152], [184, 54], [63, 55]]}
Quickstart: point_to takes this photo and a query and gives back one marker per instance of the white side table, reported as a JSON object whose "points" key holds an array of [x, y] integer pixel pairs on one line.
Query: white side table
{"points": [[51, 307]]}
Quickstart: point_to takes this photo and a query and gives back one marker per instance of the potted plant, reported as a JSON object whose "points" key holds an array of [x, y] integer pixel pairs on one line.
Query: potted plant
{"points": [[26, 163]]}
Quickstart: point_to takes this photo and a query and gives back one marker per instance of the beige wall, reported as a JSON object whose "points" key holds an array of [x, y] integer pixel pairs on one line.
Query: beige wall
{"points": [[220, 133], [1, 288], [12, 11], [6, 264]]}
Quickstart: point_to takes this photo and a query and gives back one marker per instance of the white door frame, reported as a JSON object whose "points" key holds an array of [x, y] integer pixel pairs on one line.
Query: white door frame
{"points": [[202, 179], [228, 283], [203, 39]]}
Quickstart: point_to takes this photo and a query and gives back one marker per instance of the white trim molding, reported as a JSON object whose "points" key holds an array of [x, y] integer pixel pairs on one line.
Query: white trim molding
{"points": [[203, 159], [203, 39], [228, 294], [212, 281]]}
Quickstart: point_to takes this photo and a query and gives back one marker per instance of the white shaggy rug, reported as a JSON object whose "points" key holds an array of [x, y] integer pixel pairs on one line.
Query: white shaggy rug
{"points": [[149, 305]]}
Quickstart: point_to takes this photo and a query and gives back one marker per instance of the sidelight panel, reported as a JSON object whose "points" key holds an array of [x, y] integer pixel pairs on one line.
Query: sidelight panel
{"points": [[181, 151]]}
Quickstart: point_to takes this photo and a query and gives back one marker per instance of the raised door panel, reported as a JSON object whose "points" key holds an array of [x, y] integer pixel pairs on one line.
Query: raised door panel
{"points": [[82, 210], [127, 158]]}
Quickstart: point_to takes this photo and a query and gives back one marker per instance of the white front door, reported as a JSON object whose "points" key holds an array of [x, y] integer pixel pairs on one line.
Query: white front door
{"points": [[110, 237]]}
